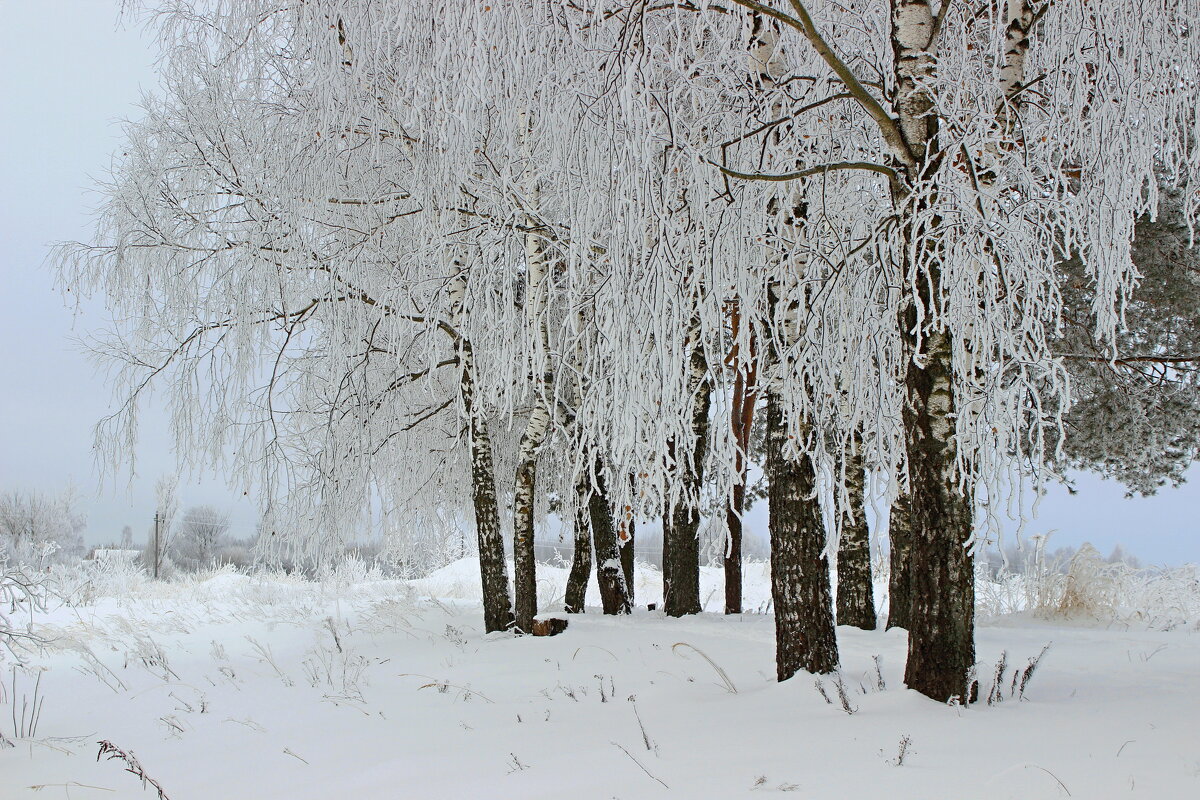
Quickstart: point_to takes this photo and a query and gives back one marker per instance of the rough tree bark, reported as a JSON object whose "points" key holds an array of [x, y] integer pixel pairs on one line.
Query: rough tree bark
{"points": [[941, 641], [899, 563], [493, 569], [683, 578], [614, 593], [899, 560], [855, 595], [805, 638], [524, 562], [497, 602], [581, 558]]}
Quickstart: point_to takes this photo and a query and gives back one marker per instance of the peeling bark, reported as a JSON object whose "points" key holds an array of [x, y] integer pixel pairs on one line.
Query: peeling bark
{"points": [[805, 638], [856, 595], [914, 62]]}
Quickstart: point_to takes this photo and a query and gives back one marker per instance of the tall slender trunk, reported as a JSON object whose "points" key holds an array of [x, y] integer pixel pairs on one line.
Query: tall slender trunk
{"points": [[745, 395], [683, 593], [941, 638], [667, 563], [493, 570], [524, 562], [581, 558], [614, 592], [629, 529], [733, 551], [524, 559], [497, 602], [537, 274], [805, 638], [856, 595], [900, 563], [941, 633]]}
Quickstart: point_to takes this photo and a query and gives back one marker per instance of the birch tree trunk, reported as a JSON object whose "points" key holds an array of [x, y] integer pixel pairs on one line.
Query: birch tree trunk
{"points": [[941, 643], [805, 638], [855, 595], [581, 558], [493, 569], [614, 592], [683, 578], [537, 271], [741, 420], [941, 638], [667, 562], [536, 429], [900, 563]]}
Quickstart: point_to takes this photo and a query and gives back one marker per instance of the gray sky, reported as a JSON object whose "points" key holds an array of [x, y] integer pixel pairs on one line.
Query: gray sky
{"points": [[68, 76]]}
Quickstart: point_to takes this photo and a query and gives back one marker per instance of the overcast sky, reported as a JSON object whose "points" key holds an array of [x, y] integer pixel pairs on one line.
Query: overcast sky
{"points": [[68, 76]]}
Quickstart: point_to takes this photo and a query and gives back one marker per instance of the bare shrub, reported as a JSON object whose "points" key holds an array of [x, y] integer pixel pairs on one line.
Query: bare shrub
{"points": [[21, 593], [1089, 588]]}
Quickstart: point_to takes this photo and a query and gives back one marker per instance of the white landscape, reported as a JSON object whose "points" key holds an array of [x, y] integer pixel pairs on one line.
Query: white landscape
{"points": [[600, 398], [225, 685]]}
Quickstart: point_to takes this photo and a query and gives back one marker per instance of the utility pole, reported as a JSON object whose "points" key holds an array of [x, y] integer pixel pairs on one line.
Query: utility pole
{"points": [[156, 544]]}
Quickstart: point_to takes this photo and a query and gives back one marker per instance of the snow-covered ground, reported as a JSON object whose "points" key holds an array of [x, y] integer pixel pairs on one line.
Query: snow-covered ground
{"points": [[252, 687]]}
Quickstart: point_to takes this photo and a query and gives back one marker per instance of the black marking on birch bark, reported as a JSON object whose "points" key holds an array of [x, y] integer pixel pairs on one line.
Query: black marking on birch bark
{"points": [[805, 638], [941, 641], [493, 569]]}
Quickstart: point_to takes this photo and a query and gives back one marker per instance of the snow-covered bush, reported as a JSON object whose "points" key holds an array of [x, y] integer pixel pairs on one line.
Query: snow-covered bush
{"points": [[1090, 587], [21, 595], [38, 528], [84, 582]]}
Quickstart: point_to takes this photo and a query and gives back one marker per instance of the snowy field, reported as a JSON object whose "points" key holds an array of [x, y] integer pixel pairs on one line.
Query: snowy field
{"points": [[233, 687]]}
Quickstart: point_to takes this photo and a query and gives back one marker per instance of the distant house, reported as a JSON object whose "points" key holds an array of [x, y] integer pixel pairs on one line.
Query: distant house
{"points": [[112, 555]]}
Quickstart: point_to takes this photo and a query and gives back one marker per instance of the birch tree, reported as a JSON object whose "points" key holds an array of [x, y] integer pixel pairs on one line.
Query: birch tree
{"points": [[979, 142], [396, 210]]}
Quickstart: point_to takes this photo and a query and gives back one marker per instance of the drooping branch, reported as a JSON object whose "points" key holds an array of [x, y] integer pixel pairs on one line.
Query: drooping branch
{"points": [[803, 22], [890, 173]]}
